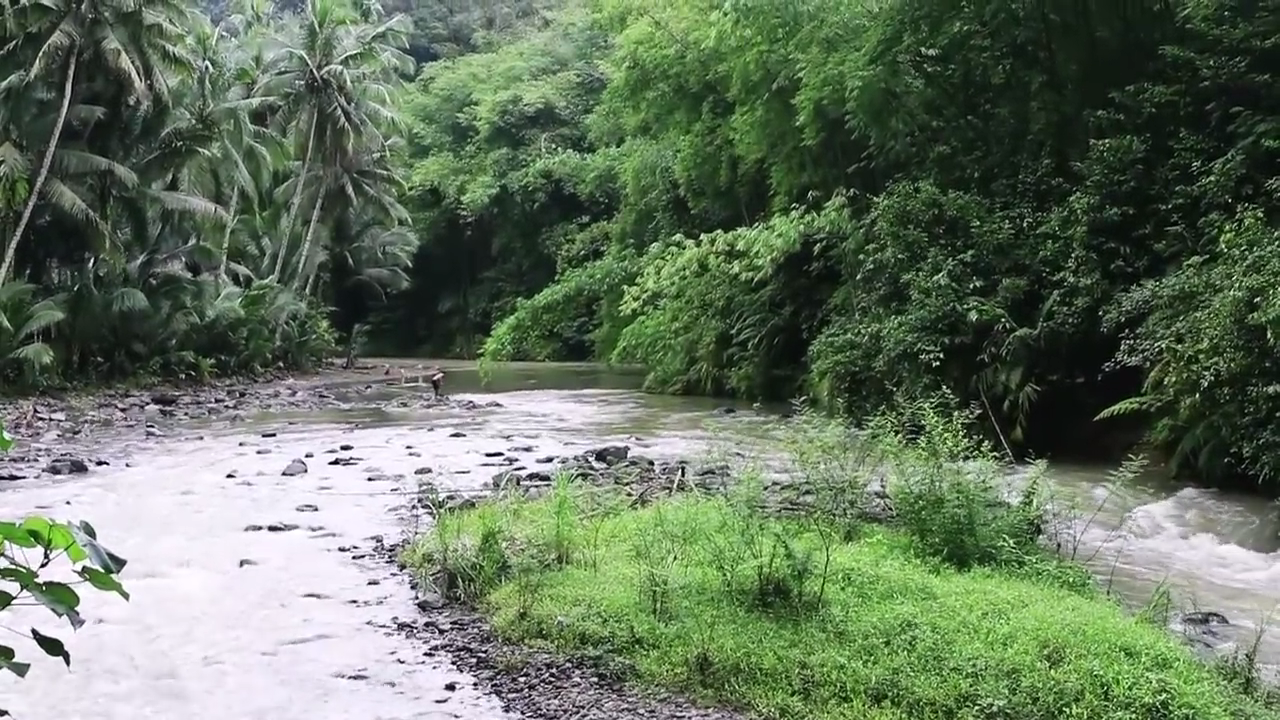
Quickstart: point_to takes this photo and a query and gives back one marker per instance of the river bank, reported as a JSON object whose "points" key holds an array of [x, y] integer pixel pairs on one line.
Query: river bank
{"points": [[314, 607], [944, 612]]}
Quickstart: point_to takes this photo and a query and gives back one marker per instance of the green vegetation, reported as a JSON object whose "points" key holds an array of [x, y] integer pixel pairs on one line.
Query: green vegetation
{"points": [[951, 612], [22, 584], [1062, 213], [181, 199], [1055, 210]]}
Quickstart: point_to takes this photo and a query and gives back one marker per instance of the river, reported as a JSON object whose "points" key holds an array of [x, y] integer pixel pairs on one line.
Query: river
{"points": [[226, 623]]}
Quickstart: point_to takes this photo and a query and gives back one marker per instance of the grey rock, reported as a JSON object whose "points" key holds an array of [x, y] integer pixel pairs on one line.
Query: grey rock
{"points": [[611, 454], [67, 466]]}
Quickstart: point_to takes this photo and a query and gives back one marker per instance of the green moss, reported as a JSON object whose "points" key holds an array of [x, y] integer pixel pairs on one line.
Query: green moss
{"points": [[786, 619]]}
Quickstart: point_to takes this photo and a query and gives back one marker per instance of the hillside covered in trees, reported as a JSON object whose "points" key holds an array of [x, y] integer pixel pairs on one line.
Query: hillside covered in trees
{"points": [[1053, 210]]}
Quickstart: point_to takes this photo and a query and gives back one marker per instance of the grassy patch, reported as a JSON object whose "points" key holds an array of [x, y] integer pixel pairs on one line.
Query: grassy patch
{"points": [[819, 616]]}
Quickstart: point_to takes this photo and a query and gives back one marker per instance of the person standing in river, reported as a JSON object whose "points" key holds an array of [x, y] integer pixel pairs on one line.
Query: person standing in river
{"points": [[437, 382]]}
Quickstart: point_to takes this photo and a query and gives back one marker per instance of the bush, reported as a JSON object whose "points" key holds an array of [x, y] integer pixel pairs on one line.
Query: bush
{"points": [[180, 328]]}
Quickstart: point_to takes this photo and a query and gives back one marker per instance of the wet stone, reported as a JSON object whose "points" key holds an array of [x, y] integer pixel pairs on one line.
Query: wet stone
{"points": [[281, 527], [296, 467], [423, 471], [164, 399], [430, 601], [269, 434], [67, 466], [307, 508], [611, 454], [246, 562], [457, 434], [346, 447], [494, 454], [263, 451]]}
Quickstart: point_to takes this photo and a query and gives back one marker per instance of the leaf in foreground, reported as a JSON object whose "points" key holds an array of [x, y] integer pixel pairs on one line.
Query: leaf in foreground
{"points": [[8, 662], [51, 646]]}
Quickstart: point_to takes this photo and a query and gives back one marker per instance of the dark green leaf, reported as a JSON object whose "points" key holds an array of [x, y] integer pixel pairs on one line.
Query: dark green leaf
{"points": [[102, 581], [6, 599], [23, 576], [8, 662], [51, 646], [60, 599]]}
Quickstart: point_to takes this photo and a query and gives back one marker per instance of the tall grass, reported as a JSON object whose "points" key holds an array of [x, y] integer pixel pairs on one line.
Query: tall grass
{"points": [[952, 611]]}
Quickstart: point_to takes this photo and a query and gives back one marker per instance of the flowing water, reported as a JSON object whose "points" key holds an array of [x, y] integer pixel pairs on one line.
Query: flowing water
{"points": [[226, 623]]}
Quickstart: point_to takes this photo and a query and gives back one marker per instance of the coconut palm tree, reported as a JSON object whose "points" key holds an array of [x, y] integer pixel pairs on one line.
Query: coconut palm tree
{"points": [[334, 78], [135, 43], [234, 168]]}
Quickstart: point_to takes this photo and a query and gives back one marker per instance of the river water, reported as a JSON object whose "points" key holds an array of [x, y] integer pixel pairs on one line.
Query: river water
{"points": [[226, 623]]}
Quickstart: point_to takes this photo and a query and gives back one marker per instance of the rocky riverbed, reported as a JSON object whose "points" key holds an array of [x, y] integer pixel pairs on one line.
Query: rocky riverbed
{"points": [[89, 436], [66, 434], [82, 440]]}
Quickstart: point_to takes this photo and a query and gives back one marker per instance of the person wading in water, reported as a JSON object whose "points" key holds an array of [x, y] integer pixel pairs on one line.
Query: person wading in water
{"points": [[437, 381]]}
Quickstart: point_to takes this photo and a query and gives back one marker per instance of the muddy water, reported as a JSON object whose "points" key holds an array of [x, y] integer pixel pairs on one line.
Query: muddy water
{"points": [[226, 623]]}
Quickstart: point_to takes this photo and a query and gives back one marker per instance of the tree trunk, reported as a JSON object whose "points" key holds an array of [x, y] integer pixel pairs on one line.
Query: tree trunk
{"points": [[297, 200], [68, 84], [226, 236], [311, 282], [305, 253]]}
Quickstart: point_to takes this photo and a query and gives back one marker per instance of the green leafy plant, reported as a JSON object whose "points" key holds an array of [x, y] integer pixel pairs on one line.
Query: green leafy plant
{"points": [[29, 549]]}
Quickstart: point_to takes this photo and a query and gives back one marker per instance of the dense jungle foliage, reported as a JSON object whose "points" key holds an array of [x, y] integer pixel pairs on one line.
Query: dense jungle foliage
{"points": [[182, 199], [1058, 211]]}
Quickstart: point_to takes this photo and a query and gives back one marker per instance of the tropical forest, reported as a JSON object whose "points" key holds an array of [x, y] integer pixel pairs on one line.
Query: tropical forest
{"points": [[1061, 213], [973, 306]]}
